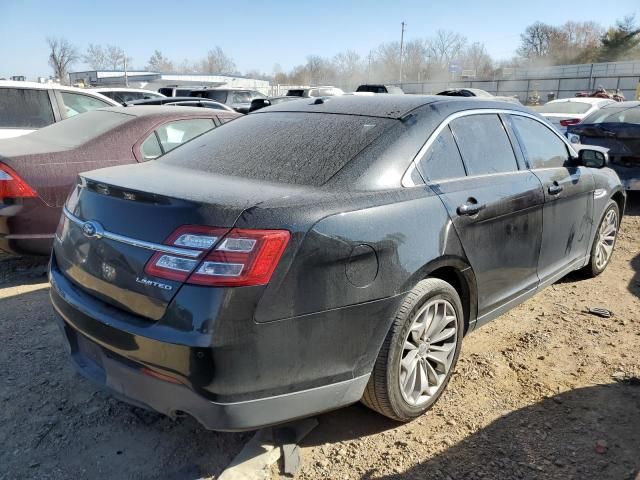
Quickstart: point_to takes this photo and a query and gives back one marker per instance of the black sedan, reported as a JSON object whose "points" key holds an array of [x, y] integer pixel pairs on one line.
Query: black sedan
{"points": [[320, 252], [617, 127]]}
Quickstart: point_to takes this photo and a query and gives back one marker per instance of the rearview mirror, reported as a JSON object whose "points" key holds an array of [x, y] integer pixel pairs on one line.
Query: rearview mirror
{"points": [[593, 157]]}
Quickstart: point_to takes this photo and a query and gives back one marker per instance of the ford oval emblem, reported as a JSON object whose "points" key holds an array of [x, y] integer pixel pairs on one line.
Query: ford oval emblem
{"points": [[92, 229]]}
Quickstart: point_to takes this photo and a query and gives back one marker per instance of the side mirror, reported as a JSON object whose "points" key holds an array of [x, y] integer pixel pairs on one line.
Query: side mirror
{"points": [[593, 157]]}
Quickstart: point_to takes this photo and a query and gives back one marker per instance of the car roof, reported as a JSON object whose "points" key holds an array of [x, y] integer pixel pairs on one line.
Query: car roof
{"points": [[159, 111], [122, 89], [383, 106], [592, 100], [628, 104]]}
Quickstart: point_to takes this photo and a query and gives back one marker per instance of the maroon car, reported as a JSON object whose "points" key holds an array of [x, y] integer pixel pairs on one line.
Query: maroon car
{"points": [[38, 170]]}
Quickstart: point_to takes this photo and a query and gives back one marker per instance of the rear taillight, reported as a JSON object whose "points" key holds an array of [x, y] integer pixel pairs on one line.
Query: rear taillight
{"points": [[191, 237], [12, 186], [569, 121], [241, 257]]}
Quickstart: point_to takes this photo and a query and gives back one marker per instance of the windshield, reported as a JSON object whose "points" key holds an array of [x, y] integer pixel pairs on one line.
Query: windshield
{"points": [[287, 147], [565, 107], [615, 115]]}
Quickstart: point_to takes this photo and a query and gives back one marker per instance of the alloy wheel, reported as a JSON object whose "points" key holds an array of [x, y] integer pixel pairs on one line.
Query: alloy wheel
{"points": [[606, 238], [428, 352]]}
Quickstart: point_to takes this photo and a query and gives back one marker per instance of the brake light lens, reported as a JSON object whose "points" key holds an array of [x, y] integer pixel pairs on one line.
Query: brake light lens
{"points": [[569, 121], [241, 257], [244, 257], [12, 186]]}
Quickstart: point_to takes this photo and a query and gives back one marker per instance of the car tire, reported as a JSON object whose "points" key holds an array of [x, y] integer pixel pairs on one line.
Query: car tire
{"points": [[597, 264], [415, 325]]}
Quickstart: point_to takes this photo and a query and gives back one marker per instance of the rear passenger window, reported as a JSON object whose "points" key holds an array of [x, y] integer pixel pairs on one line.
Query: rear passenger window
{"points": [[442, 161], [25, 108], [76, 103], [484, 144], [541, 146], [176, 133]]}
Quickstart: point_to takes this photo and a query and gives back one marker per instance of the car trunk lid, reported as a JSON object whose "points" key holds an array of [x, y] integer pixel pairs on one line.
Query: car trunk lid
{"points": [[118, 218]]}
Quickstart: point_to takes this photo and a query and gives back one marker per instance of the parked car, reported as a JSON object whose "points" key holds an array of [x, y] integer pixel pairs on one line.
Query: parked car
{"points": [[28, 106], [615, 126], [176, 91], [259, 103], [377, 88], [477, 92], [184, 102], [326, 91], [313, 254], [126, 95], [570, 111], [37, 171], [237, 98]]}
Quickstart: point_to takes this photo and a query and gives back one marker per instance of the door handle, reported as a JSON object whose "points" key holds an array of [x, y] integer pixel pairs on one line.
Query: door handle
{"points": [[472, 207], [555, 189]]}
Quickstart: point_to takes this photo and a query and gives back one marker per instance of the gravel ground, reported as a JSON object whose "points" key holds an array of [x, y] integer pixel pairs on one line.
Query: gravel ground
{"points": [[547, 391]]}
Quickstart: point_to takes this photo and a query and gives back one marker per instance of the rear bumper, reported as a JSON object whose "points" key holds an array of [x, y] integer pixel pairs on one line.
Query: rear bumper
{"points": [[129, 383], [171, 377]]}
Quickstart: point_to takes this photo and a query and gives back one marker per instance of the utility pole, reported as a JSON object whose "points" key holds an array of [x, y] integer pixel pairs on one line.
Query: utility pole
{"points": [[369, 70], [126, 77], [401, 49]]}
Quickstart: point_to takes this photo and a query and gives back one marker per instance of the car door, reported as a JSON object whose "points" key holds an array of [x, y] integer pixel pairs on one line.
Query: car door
{"points": [[495, 205], [568, 191], [170, 135]]}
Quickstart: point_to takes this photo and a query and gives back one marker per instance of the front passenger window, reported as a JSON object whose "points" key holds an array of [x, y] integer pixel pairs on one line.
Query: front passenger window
{"points": [[541, 146]]}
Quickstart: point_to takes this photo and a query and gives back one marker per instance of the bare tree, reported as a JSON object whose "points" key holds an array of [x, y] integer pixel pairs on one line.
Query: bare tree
{"points": [[95, 57], [445, 46], [159, 63], [347, 69], [61, 56], [116, 57], [217, 61], [475, 57], [416, 64], [536, 40]]}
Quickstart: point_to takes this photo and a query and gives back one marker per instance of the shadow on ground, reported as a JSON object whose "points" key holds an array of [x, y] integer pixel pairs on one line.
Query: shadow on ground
{"points": [[573, 435]]}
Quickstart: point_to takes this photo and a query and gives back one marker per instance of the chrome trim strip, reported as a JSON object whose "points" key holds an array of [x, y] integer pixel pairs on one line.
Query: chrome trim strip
{"points": [[156, 247], [406, 178]]}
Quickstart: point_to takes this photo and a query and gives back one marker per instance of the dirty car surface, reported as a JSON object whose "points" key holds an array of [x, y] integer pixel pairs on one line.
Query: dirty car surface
{"points": [[320, 252]]}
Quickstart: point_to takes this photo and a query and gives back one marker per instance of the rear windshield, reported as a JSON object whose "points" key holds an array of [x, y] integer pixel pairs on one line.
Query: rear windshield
{"points": [[295, 93], [286, 147], [372, 89], [25, 108], [615, 115], [565, 107], [79, 129]]}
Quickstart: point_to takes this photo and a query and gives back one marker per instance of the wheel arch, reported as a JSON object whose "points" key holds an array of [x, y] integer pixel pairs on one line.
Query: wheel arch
{"points": [[459, 274]]}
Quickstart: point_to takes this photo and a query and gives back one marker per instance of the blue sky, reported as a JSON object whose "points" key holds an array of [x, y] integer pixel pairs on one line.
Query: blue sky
{"points": [[260, 34]]}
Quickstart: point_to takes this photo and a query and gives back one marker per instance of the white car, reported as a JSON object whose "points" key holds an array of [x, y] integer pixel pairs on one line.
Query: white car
{"points": [[570, 111], [28, 106], [124, 95]]}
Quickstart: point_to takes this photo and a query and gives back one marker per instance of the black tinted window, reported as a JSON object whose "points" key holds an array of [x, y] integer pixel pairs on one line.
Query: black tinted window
{"points": [[442, 160], [614, 115], [541, 146], [484, 144], [298, 148], [24, 108]]}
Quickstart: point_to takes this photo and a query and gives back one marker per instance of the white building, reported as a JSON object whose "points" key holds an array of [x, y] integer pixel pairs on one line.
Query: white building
{"points": [[155, 80]]}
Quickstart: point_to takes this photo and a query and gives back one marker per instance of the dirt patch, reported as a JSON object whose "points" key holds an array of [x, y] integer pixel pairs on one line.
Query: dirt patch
{"points": [[545, 391]]}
